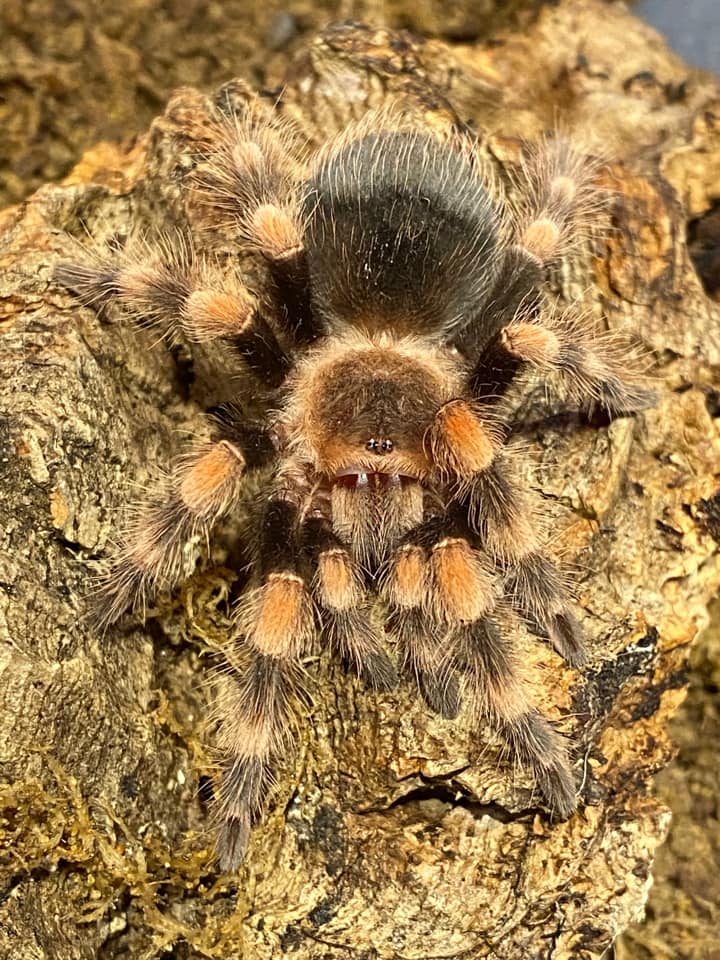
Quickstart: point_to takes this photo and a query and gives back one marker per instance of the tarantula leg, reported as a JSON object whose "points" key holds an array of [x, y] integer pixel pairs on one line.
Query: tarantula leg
{"points": [[560, 200], [250, 180], [495, 370], [462, 441], [291, 280], [150, 283], [416, 610], [345, 613], [463, 586], [591, 367], [172, 290], [517, 288], [277, 235], [495, 691], [204, 485], [558, 203], [253, 175], [226, 311], [273, 628], [421, 643], [502, 517], [242, 790], [432, 596], [277, 617], [257, 704], [499, 512], [536, 590]]}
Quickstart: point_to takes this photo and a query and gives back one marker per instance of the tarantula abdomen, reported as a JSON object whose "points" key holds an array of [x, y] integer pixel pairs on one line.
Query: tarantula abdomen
{"points": [[383, 254]]}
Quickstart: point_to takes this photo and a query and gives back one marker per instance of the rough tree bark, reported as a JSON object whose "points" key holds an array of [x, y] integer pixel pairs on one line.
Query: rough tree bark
{"points": [[393, 833]]}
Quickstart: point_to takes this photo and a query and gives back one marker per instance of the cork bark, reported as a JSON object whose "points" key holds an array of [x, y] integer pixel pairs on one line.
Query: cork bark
{"points": [[391, 833]]}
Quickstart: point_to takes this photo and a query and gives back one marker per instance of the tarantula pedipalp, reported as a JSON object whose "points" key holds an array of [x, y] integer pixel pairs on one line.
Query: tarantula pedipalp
{"points": [[405, 304]]}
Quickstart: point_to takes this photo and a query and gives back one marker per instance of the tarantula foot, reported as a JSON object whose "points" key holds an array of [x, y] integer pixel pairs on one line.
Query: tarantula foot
{"points": [[564, 633], [379, 671], [541, 748], [558, 787], [442, 694], [633, 400], [232, 842], [125, 591], [566, 636]]}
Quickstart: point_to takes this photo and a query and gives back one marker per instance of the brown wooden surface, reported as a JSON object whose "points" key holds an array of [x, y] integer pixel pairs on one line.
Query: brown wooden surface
{"points": [[394, 834]]}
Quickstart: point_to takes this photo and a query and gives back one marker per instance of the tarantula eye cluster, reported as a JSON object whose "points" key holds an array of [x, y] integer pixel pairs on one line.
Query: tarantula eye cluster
{"points": [[379, 446], [405, 298]]}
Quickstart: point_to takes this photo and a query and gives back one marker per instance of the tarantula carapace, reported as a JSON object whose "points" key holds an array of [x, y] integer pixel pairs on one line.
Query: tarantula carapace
{"points": [[403, 297]]}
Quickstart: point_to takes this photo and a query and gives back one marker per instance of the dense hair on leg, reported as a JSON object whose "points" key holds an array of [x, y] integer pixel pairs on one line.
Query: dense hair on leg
{"points": [[503, 518], [500, 512], [273, 629], [495, 690], [516, 290], [423, 653], [432, 580], [407, 582], [185, 505], [276, 617], [592, 367], [150, 280], [167, 287], [344, 606], [256, 706], [558, 207], [559, 200], [251, 181], [244, 786], [463, 586], [588, 367], [353, 637], [537, 745], [535, 588], [462, 439]]}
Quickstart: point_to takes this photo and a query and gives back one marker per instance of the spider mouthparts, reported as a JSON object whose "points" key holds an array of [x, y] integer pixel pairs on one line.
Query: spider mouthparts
{"points": [[360, 480]]}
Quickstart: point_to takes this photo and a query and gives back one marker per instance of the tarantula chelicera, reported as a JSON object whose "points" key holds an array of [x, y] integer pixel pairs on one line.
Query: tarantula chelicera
{"points": [[403, 297]]}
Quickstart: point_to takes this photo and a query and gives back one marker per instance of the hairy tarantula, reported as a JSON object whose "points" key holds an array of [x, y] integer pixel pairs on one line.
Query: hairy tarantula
{"points": [[404, 296]]}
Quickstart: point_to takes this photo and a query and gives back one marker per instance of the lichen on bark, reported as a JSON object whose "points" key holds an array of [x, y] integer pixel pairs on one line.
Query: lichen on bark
{"points": [[391, 833]]}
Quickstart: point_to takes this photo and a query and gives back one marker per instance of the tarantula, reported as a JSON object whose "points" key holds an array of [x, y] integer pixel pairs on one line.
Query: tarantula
{"points": [[404, 296]]}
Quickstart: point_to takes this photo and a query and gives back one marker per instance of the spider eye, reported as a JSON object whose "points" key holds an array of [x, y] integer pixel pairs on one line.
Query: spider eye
{"points": [[379, 446]]}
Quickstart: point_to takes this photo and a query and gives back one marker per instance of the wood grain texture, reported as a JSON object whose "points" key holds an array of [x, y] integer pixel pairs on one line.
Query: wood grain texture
{"points": [[392, 833]]}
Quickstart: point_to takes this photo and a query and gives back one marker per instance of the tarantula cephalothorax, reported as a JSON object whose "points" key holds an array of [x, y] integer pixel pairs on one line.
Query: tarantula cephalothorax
{"points": [[403, 299]]}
